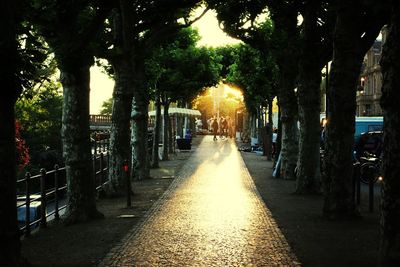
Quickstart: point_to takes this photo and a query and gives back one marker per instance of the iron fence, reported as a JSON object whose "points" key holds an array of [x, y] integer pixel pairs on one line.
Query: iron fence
{"points": [[36, 208]]}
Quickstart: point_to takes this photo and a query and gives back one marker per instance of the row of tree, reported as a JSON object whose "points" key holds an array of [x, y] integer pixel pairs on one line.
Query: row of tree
{"points": [[145, 46], [341, 32], [129, 35]]}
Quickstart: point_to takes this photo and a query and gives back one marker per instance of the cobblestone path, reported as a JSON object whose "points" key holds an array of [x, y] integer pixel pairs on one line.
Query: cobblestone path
{"points": [[212, 215]]}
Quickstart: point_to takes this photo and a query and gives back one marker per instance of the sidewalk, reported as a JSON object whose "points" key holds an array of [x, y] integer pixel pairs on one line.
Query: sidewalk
{"points": [[315, 240], [86, 244], [212, 215]]}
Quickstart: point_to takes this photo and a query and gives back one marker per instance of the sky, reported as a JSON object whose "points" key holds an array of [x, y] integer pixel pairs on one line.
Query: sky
{"points": [[211, 35]]}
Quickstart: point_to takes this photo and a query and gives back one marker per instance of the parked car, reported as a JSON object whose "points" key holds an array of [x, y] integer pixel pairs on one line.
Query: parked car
{"points": [[369, 142]]}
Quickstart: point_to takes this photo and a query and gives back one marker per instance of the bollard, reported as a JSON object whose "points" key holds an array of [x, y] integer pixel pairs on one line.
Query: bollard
{"points": [[101, 169], [356, 182], [56, 211], [27, 204], [358, 187], [128, 183], [94, 175], [43, 223], [371, 195], [95, 145]]}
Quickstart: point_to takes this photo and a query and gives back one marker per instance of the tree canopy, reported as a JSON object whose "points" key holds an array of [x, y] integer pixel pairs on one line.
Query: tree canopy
{"points": [[184, 70]]}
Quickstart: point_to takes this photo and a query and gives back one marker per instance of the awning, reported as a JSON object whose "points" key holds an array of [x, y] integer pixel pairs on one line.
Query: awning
{"points": [[178, 111]]}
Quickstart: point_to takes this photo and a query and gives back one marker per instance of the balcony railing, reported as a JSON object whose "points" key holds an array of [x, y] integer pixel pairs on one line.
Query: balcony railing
{"points": [[100, 119]]}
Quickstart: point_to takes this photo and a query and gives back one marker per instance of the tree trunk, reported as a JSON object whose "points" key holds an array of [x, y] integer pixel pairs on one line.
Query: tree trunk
{"points": [[343, 79], [171, 136], [288, 105], [286, 31], [271, 128], [165, 130], [120, 150], [157, 128], [9, 232], [81, 203], [389, 254], [308, 165], [139, 136], [279, 139], [139, 125]]}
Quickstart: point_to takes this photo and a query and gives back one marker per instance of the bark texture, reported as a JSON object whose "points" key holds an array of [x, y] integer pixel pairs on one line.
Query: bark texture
{"points": [[120, 129], [289, 146], [345, 70], [357, 26], [166, 135], [285, 19], [120, 150], [81, 204], [139, 136], [308, 166], [139, 117], [156, 134], [10, 88], [271, 127], [390, 203]]}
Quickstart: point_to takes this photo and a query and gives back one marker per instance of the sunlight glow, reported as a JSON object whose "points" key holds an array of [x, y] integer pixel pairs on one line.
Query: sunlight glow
{"points": [[101, 88], [221, 100], [225, 194], [210, 32], [230, 89]]}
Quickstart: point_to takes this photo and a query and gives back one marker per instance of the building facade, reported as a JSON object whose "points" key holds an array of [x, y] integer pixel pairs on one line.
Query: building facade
{"points": [[369, 90]]}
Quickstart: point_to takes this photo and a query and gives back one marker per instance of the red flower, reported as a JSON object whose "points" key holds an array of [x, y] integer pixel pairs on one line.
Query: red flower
{"points": [[22, 150]]}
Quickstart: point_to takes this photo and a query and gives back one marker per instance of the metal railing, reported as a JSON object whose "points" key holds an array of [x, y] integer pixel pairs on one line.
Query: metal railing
{"points": [[100, 119], [32, 207]]}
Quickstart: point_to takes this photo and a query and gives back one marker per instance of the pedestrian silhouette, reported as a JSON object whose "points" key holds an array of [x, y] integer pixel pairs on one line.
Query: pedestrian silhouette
{"points": [[214, 126]]}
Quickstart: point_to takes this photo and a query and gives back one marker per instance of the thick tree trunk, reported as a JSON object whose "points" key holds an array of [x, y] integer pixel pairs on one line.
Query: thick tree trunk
{"points": [[139, 125], [9, 232], [308, 165], [289, 147], [343, 79], [120, 150], [390, 204], [139, 137], [166, 130], [156, 134], [286, 30], [81, 204]]}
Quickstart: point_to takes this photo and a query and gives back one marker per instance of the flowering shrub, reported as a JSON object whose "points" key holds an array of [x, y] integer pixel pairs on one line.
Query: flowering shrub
{"points": [[22, 150]]}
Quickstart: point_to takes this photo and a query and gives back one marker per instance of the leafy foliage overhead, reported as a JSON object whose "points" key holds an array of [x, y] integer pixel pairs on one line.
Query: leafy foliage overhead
{"points": [[184, 70], [256, 74]]}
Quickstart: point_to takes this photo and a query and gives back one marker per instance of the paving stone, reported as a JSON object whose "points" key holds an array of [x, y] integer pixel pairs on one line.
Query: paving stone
{"points": [[212, 215]]}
